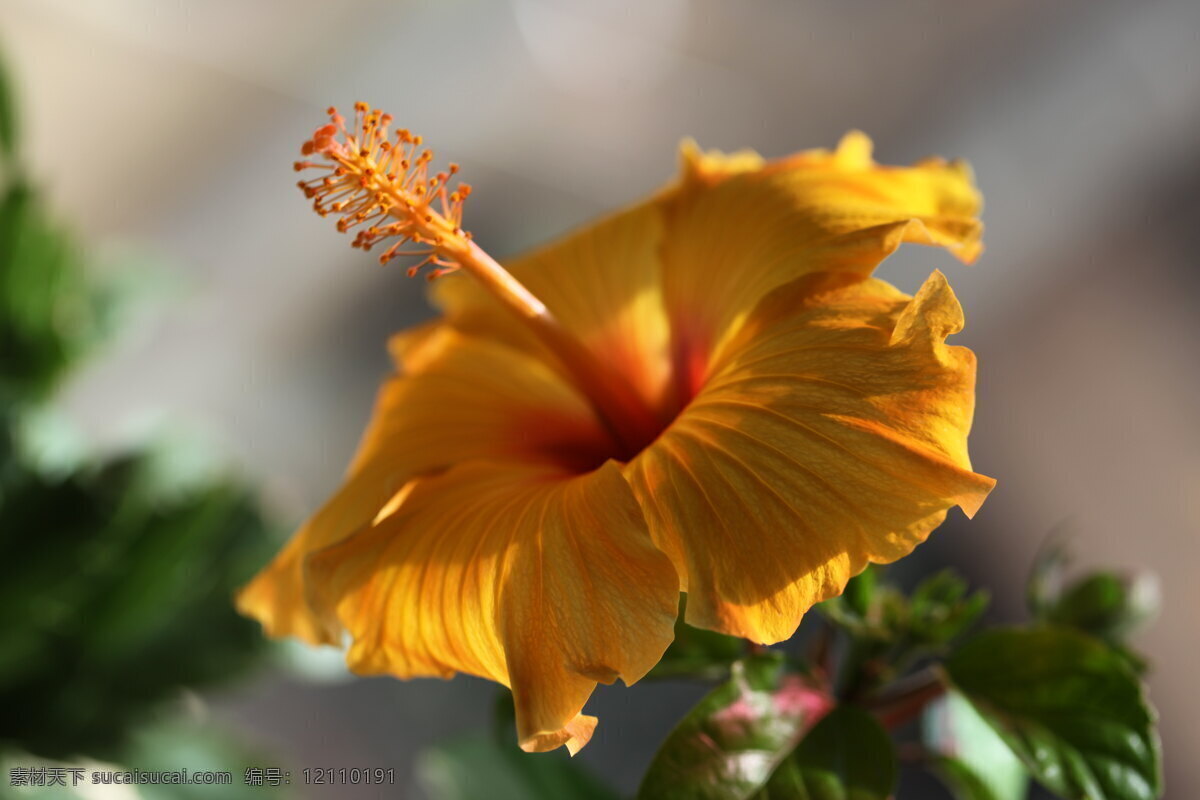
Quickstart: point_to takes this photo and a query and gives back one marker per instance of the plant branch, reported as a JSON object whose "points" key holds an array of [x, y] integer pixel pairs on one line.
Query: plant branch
{"points": [[907, 698]]}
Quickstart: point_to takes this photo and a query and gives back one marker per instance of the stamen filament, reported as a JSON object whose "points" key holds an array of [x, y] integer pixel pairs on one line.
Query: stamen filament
{"points": [[624, 413], [368, 180]]}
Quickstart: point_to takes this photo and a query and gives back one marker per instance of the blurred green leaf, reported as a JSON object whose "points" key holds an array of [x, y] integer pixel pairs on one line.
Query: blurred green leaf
{"points": [[890, 632], [941, 609], [113, 597], [938, 610], [8, 118], [184, 742], [116, 581], [1106, 604], [1069, 706], [860, 590], [48, 311], [727, 746], [847, 756], [856, 609], [188, 742], [480, 768], [969, 755], [965, 782], [697, 653], [1046, 577]]}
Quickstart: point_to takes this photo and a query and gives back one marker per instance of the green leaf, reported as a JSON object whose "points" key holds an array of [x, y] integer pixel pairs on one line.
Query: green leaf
{"points": [[857, 608], [847, 756], [969, 755], [48, 310], [890, 632], [1106, 604], [1069, 706], [968, 783], [178, 741], [860, 590], [1046, 578], [941, 609], [728, 745], [172, 743], [113, 597], [480, 768], [8, 117], [697, 653]]}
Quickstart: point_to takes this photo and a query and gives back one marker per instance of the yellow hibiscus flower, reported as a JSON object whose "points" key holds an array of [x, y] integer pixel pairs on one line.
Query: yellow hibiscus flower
{"points": [[707, 393]]}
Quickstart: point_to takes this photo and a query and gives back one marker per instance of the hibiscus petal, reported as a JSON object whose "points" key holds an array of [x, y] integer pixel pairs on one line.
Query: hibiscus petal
{"points": [[700, 168], [463, 398], [524, 574], [729, 242], [602, 283], [832, 434]]}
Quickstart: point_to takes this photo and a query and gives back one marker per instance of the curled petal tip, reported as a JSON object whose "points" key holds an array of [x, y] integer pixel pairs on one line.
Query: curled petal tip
{"points": [[855, 150]]}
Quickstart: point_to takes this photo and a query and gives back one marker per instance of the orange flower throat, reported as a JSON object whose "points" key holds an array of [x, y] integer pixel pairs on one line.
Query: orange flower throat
{"points": [[383, 187]]}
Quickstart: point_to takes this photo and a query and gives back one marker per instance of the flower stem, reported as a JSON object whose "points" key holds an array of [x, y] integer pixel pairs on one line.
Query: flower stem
{"points": [[906, 699]]}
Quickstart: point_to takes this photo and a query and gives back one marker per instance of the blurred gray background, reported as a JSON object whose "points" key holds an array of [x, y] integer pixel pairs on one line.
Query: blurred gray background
{"points": [[169, 126]]}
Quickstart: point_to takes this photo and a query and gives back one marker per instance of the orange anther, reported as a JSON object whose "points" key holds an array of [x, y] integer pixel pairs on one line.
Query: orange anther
{"points": [[366, 179]]}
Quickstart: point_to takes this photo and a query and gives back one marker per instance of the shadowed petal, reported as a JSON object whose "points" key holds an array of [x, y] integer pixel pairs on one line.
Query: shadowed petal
{"points": [[730, 241], [603, 283], [832, 433], [463, 399], [543, 581]]}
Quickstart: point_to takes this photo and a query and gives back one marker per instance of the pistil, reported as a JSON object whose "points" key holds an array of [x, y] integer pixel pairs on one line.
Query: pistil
{"points": [[384, 189]]}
